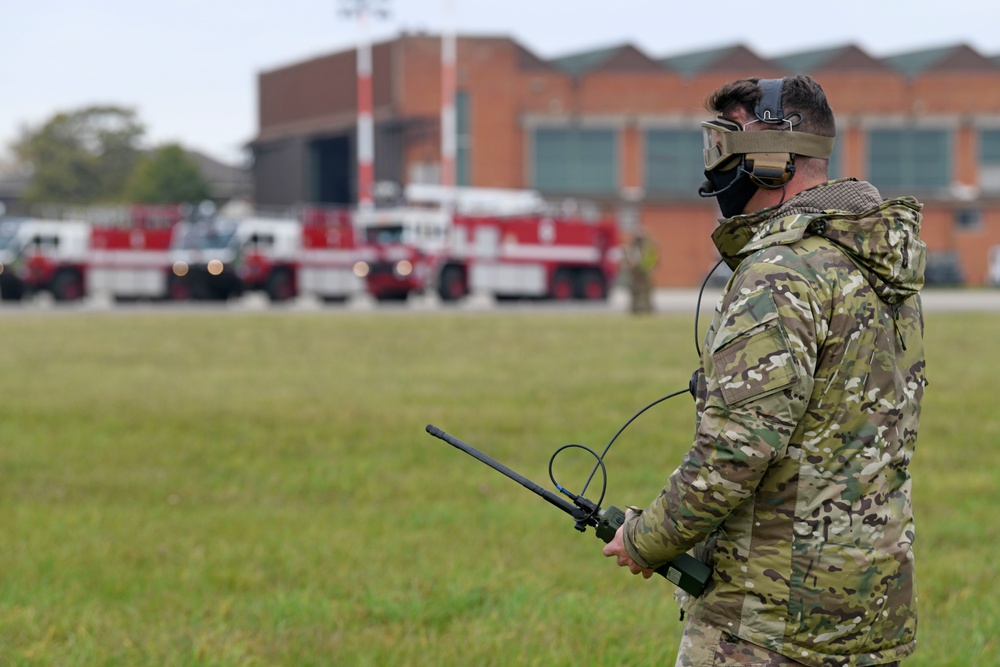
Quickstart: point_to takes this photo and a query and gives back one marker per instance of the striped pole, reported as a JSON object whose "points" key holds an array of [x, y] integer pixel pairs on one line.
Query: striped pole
{"points": [[366, 126], [448, 124]]}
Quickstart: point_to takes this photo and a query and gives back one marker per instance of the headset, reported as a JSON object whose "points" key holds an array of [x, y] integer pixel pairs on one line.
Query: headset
{"points": [[766, 155]]}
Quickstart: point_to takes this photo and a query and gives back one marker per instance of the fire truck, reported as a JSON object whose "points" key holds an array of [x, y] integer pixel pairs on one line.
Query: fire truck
{"points": [[508, 244], [125, 258], [313, 253]]}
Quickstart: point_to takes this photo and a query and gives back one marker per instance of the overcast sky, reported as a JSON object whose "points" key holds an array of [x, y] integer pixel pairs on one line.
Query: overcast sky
{"points": [[189, 67]]}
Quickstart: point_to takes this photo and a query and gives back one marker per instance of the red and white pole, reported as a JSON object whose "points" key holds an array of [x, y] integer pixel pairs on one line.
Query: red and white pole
{"points": [[448, 121], [366, 125]]}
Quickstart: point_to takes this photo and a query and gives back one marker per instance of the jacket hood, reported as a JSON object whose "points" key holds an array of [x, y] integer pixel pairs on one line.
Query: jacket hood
{"points": [[882, 238]]}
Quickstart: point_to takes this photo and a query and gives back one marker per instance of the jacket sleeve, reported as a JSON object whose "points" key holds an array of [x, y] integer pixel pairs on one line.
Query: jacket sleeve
{"points": [[759, 368]]}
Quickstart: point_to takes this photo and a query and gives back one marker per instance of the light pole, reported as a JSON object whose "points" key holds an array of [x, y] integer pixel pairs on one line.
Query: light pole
{"points": [[362, 9]]}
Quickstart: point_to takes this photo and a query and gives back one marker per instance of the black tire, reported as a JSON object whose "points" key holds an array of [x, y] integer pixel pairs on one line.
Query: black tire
{"points": [[280, 286], [562, 287], [452, 285], [178, 289], [592, 286], [67, 286], [11, 290]]}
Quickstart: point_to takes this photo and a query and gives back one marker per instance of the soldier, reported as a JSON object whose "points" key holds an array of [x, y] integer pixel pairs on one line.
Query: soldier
{"points": [[796, 490], [641, 259]]}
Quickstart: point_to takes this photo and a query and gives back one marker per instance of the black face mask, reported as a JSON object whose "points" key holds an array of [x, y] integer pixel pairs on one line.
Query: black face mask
{"points": [[733, 188]]}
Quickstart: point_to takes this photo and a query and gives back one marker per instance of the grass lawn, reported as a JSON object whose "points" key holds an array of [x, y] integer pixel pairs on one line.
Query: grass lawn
{"points": [[258, 489]]}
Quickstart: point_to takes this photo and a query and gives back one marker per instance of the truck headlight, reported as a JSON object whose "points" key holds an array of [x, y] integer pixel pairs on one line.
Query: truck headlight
{"points": [[404, 268], [361, 269]]}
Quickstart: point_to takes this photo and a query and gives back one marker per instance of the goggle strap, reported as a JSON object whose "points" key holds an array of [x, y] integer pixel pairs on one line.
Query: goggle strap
{"points": [[776, 141]]}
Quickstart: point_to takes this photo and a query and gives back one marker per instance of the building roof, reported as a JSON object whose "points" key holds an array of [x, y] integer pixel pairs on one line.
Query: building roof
{"points": [[726, 58], [959, 57], [845, 57], [620, 58], [224, 181]]}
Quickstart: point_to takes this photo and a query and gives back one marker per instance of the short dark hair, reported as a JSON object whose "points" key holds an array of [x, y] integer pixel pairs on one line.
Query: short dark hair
{"points": [[799, 94]]}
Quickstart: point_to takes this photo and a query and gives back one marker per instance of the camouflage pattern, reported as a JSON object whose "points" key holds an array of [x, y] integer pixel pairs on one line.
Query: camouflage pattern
{"points": [[706, 645], [796, 490]]}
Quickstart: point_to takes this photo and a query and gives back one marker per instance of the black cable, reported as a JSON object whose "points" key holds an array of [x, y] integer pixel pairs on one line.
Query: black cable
{"points": [[600, 457], [697, 308], [599, 465]]}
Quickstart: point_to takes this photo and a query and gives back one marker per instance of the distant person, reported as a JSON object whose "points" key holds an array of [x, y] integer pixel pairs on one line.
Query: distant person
{"points": [[641, 258], [796, 491]]}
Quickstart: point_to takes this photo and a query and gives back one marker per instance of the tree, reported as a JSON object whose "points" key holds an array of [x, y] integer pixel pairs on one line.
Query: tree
{"points": [[81, 156], [166, 176]]}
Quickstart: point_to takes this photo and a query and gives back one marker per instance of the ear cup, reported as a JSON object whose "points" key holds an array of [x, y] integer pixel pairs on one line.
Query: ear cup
{"points": [[771, 170]]}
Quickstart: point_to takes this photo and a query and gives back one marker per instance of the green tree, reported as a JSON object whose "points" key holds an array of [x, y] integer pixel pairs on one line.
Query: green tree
{"points": [[81, 156], [166, 176]]}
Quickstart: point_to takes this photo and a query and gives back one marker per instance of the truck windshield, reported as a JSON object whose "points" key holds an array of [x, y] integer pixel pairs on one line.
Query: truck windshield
{"points": [[206, 236], [384, 235], [8, 233]]}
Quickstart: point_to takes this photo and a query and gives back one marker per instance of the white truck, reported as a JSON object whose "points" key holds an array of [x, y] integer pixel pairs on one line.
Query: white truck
{"points": [[219, 258]]}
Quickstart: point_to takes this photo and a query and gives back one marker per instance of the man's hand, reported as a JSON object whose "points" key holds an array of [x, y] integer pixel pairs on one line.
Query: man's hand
{"points": [[616, 548]]}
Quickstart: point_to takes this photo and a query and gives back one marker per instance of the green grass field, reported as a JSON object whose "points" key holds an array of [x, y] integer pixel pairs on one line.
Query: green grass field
{"points": [[258, 489]]}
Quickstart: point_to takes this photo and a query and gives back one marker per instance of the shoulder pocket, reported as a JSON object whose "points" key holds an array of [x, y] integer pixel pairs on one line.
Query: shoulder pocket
{"points": [[751, 353]]}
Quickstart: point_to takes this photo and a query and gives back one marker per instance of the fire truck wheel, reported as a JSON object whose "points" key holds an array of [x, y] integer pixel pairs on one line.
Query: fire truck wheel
{"points": [[592, 286], [11, 292], [67, 286], [280, 286], [562, 285], [452, 287], [178, 290]]}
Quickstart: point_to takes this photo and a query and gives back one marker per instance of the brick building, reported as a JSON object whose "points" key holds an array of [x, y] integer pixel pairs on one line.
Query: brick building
{"points": [[621, 128]]}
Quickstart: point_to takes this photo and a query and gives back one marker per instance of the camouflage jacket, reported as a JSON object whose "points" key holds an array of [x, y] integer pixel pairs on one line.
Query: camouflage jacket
{"points": [[796, 489]]}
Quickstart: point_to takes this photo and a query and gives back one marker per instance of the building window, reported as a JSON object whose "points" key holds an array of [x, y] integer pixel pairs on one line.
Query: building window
{"points": [[674, 161], [575, 160], [968, 219], [463, 140], [909, 159], [989, 161]]}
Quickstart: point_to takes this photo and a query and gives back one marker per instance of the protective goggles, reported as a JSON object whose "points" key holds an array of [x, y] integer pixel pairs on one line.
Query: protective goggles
{"points": [[726, 143]]}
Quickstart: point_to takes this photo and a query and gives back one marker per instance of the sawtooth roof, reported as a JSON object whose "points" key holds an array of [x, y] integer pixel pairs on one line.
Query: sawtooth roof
{"points": [[726, 58], [955, 58], [845, 57], [619, 57]]}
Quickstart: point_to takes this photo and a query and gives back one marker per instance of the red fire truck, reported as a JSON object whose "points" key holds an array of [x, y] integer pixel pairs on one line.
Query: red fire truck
{"points": [[283, 257], [502, 243], [124, 256]]}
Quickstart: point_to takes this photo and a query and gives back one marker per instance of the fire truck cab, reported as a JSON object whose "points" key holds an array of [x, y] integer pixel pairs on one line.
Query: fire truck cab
{"points": [[405, 247], [220, 258], [43, 255], [503, 243], [313, 253]]}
